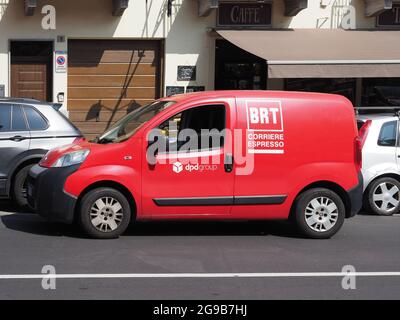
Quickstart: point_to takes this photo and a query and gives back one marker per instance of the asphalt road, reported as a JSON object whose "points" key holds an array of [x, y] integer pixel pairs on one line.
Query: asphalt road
{"points": [[369, 243]]}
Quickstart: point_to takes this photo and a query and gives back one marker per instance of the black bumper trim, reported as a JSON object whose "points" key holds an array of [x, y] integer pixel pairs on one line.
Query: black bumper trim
{"points": [[258, 200], [46, 193], [3, 187], [210, 201], [356, 196], [220, 201]]}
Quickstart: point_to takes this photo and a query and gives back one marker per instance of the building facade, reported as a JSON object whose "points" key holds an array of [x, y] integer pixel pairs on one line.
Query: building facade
{"points": [[104, 58]]}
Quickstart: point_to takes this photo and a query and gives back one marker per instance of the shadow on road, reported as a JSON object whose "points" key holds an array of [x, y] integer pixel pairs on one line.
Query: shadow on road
{"points": [[34, 224], [212, 228], [7, 206]]}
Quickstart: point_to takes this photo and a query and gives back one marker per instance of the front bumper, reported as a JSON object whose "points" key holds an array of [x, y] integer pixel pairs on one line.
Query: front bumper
{"points": [[356, 197], [46, 193]]}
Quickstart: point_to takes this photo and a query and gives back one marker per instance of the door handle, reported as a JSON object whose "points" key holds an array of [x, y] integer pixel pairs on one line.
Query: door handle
{"points": [[228, 163], [18, 138]]}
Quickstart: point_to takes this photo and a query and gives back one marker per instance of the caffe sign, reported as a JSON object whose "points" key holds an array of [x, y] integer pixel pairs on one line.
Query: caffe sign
{"points": [[245, 14], [389, 18]]}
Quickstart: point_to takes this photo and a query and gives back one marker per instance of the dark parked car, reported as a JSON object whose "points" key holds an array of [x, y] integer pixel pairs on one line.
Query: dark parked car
{"points": [[28, 130]]}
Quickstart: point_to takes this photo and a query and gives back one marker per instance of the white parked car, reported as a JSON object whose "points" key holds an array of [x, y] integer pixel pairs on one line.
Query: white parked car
{"points": [[379, 134]]}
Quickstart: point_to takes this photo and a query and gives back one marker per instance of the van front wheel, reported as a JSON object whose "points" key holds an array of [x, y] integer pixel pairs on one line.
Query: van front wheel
{"points": [[104, 213], [319, 213]]}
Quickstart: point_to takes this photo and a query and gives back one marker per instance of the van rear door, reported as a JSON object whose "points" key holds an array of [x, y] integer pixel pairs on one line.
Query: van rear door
{"points": [[261, 172]]}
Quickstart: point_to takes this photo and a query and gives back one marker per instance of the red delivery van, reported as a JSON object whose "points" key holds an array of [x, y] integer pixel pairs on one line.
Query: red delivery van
{"points": [[211, 155]]}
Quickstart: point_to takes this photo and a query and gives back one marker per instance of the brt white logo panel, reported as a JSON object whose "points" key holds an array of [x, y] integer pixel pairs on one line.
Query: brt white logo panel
{"points": [[265, 129]]}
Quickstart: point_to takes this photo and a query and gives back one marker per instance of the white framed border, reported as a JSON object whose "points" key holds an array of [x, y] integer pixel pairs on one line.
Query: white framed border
{"points": [[266, 101]]}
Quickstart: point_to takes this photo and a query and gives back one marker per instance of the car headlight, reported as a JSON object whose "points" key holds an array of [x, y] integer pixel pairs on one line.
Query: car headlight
{"points": [[71, 158]]}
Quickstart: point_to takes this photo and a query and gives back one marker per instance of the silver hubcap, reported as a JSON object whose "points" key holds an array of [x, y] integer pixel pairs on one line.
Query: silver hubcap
{"points": [[106, 214], [321, 214], [386, 197]]}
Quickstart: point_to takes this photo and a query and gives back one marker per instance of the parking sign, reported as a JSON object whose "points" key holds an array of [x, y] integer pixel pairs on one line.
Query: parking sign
{"points": [[61, 62]]}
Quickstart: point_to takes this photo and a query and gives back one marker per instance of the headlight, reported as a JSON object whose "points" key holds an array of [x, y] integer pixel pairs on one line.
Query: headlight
{"points": [[71, 159]]}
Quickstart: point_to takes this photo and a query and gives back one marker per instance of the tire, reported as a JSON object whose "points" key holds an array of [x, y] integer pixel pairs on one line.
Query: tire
{"points": [[383, 188], [110, 220], [19, 188], [319, 213]]}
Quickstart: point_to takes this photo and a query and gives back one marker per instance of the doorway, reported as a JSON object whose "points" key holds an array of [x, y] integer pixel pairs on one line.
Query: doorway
{"points": [[237, 69], [32, 70]]}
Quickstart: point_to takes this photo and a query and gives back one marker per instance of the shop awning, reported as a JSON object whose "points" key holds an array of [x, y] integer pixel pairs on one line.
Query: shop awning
{"points": [[323, 53]]}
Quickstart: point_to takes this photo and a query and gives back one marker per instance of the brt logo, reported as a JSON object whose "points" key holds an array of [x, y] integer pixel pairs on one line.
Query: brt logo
{"points": [[264, 115]]}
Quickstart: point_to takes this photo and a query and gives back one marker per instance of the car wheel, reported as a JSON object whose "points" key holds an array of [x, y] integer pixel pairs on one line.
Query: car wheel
{"points": [[383, 196], [19, 189], [104, 213], [319, 213]]}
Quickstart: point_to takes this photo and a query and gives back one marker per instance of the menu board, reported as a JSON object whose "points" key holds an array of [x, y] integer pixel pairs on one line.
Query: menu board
{"points": [[195, 89], [186, 73], [173, 90]]}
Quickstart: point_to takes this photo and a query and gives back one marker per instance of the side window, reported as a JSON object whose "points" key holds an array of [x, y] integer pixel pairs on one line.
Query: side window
{"points": [[199, 128], [388, 134], [35, 119], [18, 122], [5, 117]]}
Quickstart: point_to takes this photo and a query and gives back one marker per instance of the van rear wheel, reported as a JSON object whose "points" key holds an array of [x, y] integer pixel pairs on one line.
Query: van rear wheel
{"points": [[104, 213], [319, 213]]}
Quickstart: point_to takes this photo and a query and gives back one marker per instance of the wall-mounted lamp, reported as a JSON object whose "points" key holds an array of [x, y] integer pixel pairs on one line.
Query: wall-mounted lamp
{"points": [[60, 97], [61, 39], [325, 3], [30, 6]]}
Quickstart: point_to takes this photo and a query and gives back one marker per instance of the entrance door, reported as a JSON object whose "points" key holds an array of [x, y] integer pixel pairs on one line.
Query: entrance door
{"points": [[29, 80], [237, 69], [31, 70], [190, 183]]}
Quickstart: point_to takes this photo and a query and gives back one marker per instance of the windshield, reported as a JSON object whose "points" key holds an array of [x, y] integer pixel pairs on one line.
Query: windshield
{"points": [[127, 126]]}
